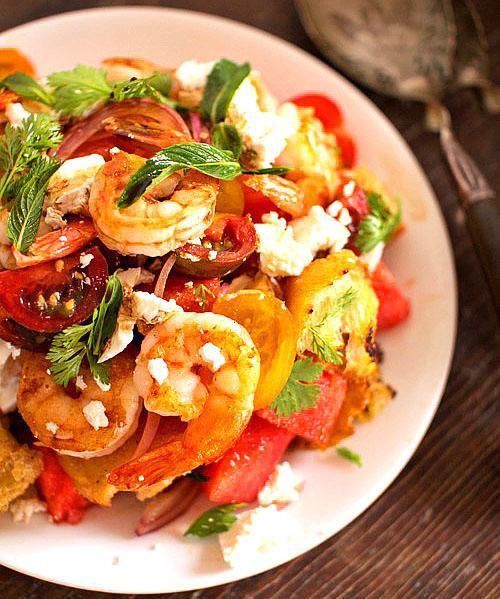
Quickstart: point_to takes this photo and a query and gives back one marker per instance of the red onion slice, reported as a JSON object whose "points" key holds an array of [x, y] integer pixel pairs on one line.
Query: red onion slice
{"points": [[168, 505], [163, 276], [148, 434]]}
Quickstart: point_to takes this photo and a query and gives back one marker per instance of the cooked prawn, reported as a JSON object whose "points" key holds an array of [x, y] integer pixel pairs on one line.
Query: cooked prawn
{"points": [[150, 226], [203, 368], [62, 422], [121, 69]]}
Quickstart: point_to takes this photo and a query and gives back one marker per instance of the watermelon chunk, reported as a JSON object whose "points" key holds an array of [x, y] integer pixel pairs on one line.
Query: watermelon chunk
{"points": [[315, 424], [64, 503], [394, 305], [243, 470]]}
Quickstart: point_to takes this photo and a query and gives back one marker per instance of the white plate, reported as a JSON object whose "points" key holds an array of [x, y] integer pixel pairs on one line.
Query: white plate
{"points": [[417, 354]]}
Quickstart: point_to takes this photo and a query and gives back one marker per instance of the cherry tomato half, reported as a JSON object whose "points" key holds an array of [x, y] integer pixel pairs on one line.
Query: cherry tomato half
{"points": [[227, 243], [325, 110], [266, 193], [19, 336], [348, 151], [51, 296], [192, 296]]}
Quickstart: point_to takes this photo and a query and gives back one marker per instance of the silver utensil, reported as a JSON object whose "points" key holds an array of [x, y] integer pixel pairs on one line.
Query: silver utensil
{"points": [[418, 50]]}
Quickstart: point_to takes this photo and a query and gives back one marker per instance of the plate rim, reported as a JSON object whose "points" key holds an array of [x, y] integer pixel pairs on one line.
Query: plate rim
{"points": [[383, 483]]}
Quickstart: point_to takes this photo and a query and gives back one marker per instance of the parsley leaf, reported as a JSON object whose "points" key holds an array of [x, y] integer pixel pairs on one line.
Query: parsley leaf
{"points": [[298, 394], [77, 90], [219, 519], [21, 146], [24, 218], [79, 341], [226, 137], [378, 226], [202, 157], [27, 87], [320, 344], [222, 82], [348, 454]]}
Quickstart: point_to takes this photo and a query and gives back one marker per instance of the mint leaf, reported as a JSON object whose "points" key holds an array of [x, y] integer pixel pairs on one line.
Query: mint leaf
{"points": [[223, 81], [299, 393], [350, 455], [216, 520], [226, 137], [26, 87]]}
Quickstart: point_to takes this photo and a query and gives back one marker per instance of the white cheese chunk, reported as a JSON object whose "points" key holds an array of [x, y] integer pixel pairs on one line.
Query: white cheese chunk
{"points": [[283, 486], [86, 259], [319, 231], [373, 257], [213, 356], [254, 535], [80, 383], [22, 510], [280, 255], [10, 369], [158, 369], [16, 113], [52, 427], [192, 74], [95, 414], [151, 308]]}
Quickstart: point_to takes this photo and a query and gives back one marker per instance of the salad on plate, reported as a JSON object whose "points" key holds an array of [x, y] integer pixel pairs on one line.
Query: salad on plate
{"points": [[191, 284]]}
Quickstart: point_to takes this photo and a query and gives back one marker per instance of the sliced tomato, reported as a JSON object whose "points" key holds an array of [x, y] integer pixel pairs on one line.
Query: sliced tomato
{"points": [[316, 424], [52, 296], [266, 193], [11, 60], [141, 122], [325, 109], [243, 470], [230, 199], [348, 151], [57, 244], [274, 332], [192, 295], [394, 306], [226, 244], [64, 503], [19, 336]]}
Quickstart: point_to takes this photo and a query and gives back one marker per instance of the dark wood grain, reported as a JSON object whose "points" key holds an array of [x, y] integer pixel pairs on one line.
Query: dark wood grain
{"points": [[433, 532]]}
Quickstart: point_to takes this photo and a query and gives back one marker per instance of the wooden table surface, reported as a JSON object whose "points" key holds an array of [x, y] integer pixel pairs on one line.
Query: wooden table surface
{"points": [[432, 533]]}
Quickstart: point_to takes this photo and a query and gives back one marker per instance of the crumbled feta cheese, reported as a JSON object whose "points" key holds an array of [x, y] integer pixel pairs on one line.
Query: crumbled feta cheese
{"points": [[212, 255], [131, 277], [279, 253], [349, 188], [103, 386], [373, 257], [95, 414], [10, 369], [158, 369], [63, 238], [22, 510], [254, 534], [16, 113], [151, 308], [114, 150], [68, 190], [52, 427], [213, 356], [283, 486], [193, 74], [86, 259], [80, 383], [319, 231], [344, 217], [334, 208]]}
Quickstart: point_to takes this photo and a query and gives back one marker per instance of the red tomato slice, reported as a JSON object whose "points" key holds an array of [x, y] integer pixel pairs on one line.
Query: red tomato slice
{"points": [[348, 151], [243, 470], [64, 503], [52, 296], [325, 109], [19, 336], [315, 424], [394, 306], [189, 294], [256, 204]]}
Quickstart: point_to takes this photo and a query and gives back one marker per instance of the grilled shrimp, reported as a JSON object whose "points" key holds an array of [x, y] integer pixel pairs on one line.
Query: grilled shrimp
{"points": [[95, 423], [122, 69], [203, 368], [150, 226]]}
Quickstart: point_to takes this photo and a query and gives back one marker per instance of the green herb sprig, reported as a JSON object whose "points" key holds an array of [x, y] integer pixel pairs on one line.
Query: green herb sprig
{"points": [[299, 393], [28, 88], [24, 218], [378, 226], [203, 293], [226, 137], [79, 341], [348, 454], [202, 157], [217, 520]]}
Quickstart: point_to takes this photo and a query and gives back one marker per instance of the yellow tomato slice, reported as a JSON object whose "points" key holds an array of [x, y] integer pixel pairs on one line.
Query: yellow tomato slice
{"points": [[11, 60], [274, 332], [230, 198], [314, 298]]}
